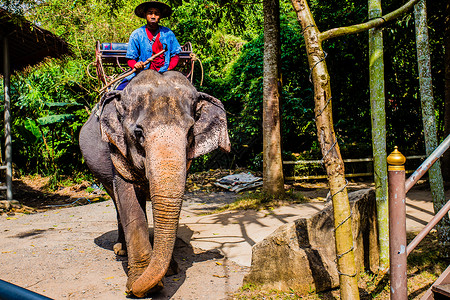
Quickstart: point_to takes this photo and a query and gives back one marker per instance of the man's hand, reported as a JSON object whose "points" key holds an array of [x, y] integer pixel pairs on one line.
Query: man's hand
{"points": [[139, 65]]}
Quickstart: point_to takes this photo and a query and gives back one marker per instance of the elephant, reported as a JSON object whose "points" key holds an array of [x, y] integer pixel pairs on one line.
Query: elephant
{"points": [[139, 144]]}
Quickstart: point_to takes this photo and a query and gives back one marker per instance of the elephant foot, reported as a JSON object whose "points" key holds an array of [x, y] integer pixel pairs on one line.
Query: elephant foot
{"points": [[153, 290], [134, 273], [119, 249]]}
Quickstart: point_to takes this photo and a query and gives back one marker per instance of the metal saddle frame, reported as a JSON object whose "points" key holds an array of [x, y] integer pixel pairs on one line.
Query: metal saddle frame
{"points": [[110, 61]]}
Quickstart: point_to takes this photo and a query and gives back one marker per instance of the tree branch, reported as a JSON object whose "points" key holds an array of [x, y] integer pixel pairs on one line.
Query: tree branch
{"points": [[337, 32]]}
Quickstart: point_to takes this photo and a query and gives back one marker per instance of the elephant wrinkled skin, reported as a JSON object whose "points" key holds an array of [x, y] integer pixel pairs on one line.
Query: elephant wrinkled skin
{"points": [[138, 144]]}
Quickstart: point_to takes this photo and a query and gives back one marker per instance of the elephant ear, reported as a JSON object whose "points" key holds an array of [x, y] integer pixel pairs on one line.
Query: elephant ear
{"points": [[111, 113], [210, 128]]}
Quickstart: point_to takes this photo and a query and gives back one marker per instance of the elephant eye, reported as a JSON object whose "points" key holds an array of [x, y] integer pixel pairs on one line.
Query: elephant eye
{"points": [[139, 134]]}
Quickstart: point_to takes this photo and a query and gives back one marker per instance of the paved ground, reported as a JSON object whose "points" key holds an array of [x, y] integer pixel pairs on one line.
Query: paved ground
{"points": [[67, 253]]}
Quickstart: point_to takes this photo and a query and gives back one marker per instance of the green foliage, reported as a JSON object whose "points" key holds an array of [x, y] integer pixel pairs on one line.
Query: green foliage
{"points": [[217, 31], [47, 116], [242, 95], [50, 102], [300, 170], [347, 63]]}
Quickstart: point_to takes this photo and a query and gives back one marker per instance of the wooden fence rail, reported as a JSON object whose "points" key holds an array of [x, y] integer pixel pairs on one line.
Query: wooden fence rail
{"points": [[350, 160]]}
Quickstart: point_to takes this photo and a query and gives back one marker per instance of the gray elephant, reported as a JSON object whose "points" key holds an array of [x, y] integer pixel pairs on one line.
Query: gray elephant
{"points": [[139, 144]]}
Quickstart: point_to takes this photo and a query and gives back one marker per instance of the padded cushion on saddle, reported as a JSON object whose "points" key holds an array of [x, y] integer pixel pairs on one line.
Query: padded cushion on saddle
{"points": [[111, 48]]}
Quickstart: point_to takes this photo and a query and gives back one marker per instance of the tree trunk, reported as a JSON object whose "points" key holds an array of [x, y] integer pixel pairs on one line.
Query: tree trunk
{"points": [[273, 181], [446, 156], [429, 123], [377, 105], [331, 153]]}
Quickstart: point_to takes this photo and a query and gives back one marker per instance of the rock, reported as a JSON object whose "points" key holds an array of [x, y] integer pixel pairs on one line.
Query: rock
{"points": [[15, 204], [301, 255], [5, 205]]}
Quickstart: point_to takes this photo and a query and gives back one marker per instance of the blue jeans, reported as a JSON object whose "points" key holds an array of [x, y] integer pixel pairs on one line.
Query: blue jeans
{"points": [[123, 84]]}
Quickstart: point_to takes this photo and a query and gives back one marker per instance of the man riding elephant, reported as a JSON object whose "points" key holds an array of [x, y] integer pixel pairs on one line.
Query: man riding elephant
{"points": [[139, 144], [150, 39]]}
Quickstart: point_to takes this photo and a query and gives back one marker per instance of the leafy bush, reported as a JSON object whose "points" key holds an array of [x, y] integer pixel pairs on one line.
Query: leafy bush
{"points": [[48, 110], [51, 101]]}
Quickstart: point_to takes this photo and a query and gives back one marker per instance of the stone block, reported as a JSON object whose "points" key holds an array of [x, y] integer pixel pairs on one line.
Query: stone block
{"points": [[302, 254], [5, 205]]}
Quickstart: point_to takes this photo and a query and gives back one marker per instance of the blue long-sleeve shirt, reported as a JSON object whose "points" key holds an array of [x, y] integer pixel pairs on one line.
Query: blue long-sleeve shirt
{"points": [[140, 47]]}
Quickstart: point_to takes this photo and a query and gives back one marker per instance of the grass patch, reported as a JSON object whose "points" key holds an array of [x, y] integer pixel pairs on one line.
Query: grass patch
{"points": [[56, 181], [259, 200], [255, 292]]}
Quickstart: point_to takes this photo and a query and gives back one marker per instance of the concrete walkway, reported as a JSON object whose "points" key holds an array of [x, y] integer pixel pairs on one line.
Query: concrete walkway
{"points": [[234, 233], [67, 253]]}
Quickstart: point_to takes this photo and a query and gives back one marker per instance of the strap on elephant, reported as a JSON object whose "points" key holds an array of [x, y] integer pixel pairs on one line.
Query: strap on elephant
{"points": [[106, 98]]}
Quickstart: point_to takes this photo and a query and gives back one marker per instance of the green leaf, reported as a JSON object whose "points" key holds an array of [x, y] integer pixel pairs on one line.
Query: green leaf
{"points": [[60, 104], [55, 119], [33, 128]]}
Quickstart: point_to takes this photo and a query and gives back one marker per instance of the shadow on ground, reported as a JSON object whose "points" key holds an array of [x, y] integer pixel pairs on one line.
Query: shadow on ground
{"points": [[35, 194], [184, 255]]}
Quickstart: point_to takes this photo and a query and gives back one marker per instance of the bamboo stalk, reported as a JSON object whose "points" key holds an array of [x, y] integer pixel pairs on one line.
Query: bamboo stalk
{"points": [[332, 158]]}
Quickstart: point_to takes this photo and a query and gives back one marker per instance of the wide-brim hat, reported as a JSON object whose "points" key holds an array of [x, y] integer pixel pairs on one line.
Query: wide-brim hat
{"points": [[142, 8]]}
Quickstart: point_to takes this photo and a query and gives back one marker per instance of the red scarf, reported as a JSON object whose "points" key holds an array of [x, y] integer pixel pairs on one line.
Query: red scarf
{"points": [[158, 62]]}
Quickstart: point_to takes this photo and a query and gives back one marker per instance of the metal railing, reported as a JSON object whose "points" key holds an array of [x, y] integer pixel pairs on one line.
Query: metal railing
{"points": [[398, 187], [346, 161]]}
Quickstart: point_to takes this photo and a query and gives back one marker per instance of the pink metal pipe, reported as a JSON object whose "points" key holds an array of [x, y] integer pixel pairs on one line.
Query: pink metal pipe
{"points": [[397, 226], [423, 168], [428, 228]]}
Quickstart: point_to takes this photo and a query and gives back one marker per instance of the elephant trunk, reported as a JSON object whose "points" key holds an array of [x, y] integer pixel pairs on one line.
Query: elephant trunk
{"points": [[165, 235], [167, 176]]}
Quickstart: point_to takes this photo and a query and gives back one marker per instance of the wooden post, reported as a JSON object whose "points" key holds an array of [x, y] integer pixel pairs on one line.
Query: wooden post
{"points": [[8, 140]]}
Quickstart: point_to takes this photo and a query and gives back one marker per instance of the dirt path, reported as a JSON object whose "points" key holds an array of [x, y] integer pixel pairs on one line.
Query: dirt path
{"points": [[67, 253]]}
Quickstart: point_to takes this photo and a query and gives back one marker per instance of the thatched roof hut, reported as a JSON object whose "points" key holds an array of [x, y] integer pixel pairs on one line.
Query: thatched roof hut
{"points": [[28, 43]]}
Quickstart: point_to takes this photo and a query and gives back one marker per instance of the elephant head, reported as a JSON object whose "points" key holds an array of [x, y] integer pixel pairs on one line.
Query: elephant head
{"points": [[155, 126]]}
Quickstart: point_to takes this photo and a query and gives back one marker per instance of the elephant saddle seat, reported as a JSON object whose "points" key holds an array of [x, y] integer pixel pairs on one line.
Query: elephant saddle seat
{"points": [[111, 61]]}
